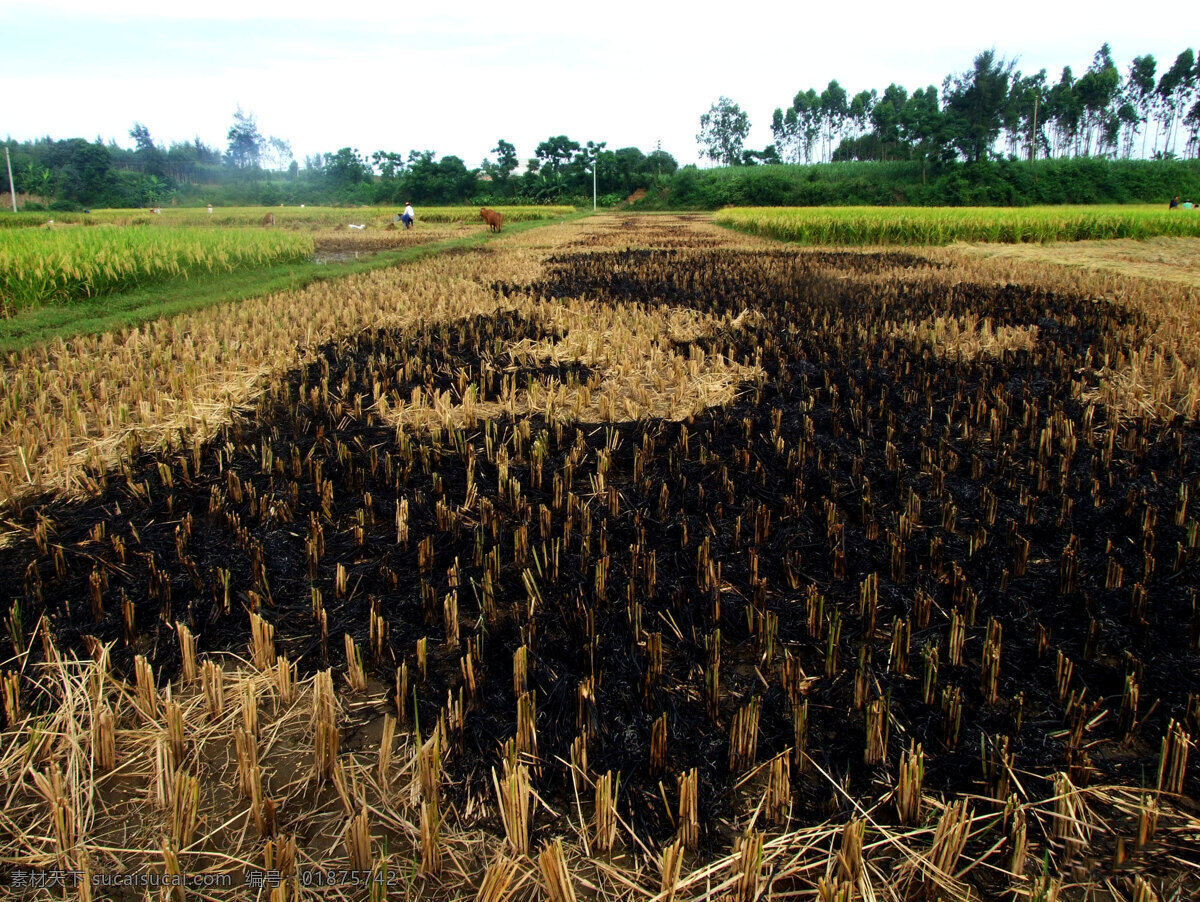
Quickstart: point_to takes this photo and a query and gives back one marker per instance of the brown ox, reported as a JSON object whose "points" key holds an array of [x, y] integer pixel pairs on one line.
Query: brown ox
{"points": [[494, 220], [269, 219]]}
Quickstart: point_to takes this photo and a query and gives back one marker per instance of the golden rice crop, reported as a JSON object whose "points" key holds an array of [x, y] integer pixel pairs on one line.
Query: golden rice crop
{"points": [[37, 266], [307, 217], [341, 217], [946, 225]]}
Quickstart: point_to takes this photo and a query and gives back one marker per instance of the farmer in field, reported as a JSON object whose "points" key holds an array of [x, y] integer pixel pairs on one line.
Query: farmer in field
{"points": [[409, 216]]}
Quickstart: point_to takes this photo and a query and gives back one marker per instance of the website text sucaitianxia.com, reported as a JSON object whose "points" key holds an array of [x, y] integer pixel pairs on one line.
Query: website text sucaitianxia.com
{"points": [[20, 878]]}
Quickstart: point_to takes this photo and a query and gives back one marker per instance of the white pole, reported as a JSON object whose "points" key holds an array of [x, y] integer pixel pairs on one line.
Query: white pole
{"points": [[12, 189], [595, 163]]}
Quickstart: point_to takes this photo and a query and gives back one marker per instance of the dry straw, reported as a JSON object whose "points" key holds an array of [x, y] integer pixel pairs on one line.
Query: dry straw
{"points": [[326, 738], [908, 785], [496, 880], [187, 651], [605, 834], [555, 876], [358, 841], [747, 866], [1172, 759], [513, 793], [778, 798], [355, 675], [262, 642], [181, 747]]}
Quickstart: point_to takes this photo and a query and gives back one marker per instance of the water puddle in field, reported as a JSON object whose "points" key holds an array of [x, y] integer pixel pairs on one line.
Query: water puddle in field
{"points": [[340, 256]]}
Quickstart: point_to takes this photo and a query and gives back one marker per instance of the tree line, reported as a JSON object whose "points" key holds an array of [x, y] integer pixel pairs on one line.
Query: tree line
{"points": [[258, 169], [990, 111]]}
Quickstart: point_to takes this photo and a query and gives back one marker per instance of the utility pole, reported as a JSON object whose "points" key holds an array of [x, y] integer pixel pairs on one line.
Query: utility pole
{"points": [[12, 189], [1033, 132], [595, 163]]}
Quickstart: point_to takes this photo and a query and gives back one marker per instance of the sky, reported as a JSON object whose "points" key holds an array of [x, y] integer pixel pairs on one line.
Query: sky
{"points": [[456, 78]]}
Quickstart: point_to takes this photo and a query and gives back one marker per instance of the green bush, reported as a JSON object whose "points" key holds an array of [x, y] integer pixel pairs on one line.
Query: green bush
{"points": [[905, 183]]}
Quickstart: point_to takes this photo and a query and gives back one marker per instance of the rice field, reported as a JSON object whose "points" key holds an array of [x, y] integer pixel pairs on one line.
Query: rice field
{"points": [[39, 266], [79, 256], [947, 225], [625, 558], [285, 217]]}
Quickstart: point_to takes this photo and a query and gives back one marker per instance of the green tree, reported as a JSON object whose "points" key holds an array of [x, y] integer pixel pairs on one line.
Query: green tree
{"points": [[834, 110], [887, 117], [455, 182], [36, 179], [623, 171], [785, 129], [555, 171], [141, 137], [245, 142], [768, 156], [1174, 91], [1192, 123], [555, 154], [277, 154], [388, 164], [430, 181], [974, 105], [500, 171], [182, 163], [921, 127], [592, 155], [209, 156], [81, 169], [186, 162], [660, 163], [1066, 111], [1139, 93], [797, 129], [150, 158], [1025, 114], [859, 114], [723, 131], [420, 177], [346, 168], [809, 119], [1098, 90]]}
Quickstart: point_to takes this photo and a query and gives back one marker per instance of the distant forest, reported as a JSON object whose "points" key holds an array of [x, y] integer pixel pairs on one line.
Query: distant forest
{"points": [[994, 110], [253, 169], [989, 135]]}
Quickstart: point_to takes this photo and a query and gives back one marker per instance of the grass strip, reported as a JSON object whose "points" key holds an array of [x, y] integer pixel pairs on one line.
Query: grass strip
{"points": [[120, 311]]}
